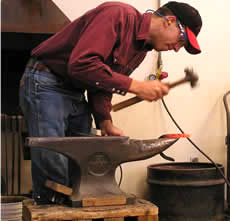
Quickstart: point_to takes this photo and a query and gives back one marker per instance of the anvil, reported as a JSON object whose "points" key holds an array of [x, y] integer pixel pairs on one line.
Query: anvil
{"points": [[97, 159]]}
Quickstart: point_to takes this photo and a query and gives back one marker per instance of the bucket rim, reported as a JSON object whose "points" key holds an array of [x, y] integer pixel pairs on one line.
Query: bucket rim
{"points": [[172, 166]]}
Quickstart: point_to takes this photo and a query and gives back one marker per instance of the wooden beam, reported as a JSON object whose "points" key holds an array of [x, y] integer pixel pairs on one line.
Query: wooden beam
{"points": [[33, 28], [27, 16]]}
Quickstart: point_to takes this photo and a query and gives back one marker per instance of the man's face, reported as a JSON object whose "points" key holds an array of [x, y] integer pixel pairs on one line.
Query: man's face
{"points": [[169, 38]]}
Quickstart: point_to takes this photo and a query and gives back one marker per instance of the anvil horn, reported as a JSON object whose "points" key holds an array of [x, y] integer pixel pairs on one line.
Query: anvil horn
{"points": [[144, 149]]}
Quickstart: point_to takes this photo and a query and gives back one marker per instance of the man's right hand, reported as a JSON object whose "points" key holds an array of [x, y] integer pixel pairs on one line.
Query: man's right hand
{"points": [[149, 90]]}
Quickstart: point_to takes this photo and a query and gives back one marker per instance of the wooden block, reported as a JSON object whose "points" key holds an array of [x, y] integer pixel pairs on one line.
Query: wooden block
{"points": [[104, 201], [114, 219], [142, 210], [83, 220], [58, 187], [147, 218]]}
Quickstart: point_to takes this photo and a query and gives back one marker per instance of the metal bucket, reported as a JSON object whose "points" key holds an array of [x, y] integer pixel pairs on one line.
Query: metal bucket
{"points": [[187, 191], [11, 208]]}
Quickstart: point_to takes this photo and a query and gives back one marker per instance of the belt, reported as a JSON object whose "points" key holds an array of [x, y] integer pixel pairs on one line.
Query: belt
{"points": [[39, 66]]}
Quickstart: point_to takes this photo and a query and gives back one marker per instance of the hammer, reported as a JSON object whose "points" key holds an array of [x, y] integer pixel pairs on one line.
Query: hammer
{"points": [[190, 76]]}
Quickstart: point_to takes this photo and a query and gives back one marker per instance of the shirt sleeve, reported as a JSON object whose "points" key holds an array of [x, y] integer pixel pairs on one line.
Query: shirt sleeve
{"points": [[87, 60], [100, 104]]}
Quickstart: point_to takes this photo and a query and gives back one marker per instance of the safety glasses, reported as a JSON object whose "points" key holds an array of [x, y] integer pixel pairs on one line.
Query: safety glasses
{"points": [[182, 31]]}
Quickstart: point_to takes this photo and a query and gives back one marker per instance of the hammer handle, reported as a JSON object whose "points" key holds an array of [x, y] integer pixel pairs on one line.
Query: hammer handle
{"points": [[174, 84], [126, 103], [136, 99]]}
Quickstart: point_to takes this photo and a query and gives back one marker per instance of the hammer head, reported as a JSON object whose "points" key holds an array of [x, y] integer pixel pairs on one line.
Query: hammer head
{"points": [[191, 76]]}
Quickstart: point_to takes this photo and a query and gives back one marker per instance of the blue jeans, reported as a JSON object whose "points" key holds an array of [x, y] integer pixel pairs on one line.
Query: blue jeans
{"points": [[51, 109]]}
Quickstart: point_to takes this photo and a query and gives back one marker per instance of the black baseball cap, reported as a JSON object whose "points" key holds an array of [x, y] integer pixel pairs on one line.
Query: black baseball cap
{"points": [[191, 19]]}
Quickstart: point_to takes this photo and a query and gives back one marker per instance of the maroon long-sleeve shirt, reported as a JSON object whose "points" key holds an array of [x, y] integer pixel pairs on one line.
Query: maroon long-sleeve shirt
{"points": [[99, 50]]}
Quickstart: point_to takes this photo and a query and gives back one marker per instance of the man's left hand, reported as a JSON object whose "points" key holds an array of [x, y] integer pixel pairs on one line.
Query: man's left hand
{"points": [[108, 129]]}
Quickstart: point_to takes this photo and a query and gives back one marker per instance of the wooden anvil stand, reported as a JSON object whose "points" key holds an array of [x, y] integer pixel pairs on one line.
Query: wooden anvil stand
{"points": [[141, 210]]}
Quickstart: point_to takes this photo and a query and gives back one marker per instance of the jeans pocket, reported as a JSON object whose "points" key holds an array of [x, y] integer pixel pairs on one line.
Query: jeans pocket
{"points": [[47, 79], [51, 83], [79, 121]]}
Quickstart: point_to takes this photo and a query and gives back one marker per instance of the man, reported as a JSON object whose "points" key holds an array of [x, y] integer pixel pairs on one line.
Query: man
{"points": [[95, 53]]}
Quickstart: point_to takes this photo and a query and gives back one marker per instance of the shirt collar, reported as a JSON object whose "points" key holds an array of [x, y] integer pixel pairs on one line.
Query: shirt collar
{"points": [[143, 31]]}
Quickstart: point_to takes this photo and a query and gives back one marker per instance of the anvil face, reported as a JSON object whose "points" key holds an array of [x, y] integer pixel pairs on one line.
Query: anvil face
{"points": [[98, 158]]}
